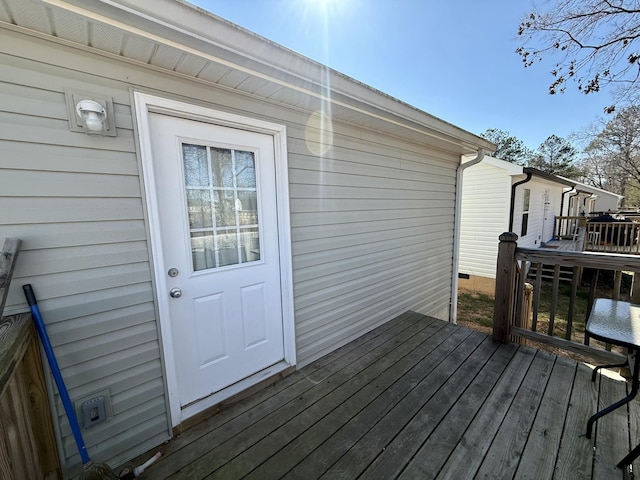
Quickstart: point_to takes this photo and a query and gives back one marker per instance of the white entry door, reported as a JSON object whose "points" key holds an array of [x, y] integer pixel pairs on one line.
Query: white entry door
{"points": [[217, 217]]}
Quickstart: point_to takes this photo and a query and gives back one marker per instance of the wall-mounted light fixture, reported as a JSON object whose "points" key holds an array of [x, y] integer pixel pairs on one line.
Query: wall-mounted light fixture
{"points": [[93, 116]]}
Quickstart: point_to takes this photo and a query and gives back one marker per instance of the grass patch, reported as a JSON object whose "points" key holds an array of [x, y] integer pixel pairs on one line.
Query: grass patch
{"points": [[475, 310]]}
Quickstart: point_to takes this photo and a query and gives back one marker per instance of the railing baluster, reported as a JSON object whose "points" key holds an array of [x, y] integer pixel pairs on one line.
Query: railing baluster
{"points": [[617, 283], [635, 288], [522, 278], [592, 297], [554, 298], [575, 280], [536, 296]]}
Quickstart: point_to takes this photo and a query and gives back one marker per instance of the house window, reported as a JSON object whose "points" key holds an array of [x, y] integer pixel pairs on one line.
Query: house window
{"points": [[525, 211]]}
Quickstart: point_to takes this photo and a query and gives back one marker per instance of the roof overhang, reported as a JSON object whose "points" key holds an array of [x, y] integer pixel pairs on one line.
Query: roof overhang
{"points": [[591, 190], [184, 40], [549, 177]]}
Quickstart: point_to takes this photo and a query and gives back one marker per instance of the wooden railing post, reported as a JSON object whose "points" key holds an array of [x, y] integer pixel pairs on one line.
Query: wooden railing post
{"points": [[505, 287], [8, 257]]}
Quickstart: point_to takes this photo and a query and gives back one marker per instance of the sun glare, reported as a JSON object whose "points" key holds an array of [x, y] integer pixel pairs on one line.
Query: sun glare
{"points": [[326, 5]]}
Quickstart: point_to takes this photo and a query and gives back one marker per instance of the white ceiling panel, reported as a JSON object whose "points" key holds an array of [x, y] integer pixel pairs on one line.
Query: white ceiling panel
{"points": [[138, 48], [233, 78], [265, 89], [213, 72], [166, 57], [107, 38], [190, 65], [5, 16], [30, 14], [70, 26]]}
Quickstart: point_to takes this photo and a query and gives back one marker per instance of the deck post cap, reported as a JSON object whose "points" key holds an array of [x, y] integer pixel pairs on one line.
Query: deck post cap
{"points": [[508, 237]]}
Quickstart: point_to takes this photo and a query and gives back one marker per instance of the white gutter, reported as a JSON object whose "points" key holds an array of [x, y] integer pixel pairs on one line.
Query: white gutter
{"points": [[456, 233]]}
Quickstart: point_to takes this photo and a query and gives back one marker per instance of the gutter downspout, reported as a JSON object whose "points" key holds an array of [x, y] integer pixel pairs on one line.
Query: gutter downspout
{"points": [[453, 308], [556, 235], [562, 201], [593, 197], [513, 199], [577, 194]]}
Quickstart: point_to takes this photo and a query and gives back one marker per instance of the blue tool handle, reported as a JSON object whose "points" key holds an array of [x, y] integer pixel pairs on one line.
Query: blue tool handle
{"points": [[53, 363]]}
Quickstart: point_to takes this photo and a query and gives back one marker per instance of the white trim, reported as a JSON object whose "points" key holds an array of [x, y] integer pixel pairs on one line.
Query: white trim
{"points": [[144, 104]]}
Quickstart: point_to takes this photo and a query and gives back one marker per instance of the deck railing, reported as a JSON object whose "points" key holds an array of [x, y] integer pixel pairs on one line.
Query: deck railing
{"points": [[558, 310], [612, 237], [566, 227]]}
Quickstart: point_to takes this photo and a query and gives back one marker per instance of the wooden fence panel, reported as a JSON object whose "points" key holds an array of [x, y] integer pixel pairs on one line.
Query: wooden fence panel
{"points": [[27, 443]]}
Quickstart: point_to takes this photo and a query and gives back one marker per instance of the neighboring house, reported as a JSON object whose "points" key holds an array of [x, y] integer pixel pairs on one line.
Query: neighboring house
{"points": [[584, 199], [243, 211], [499, 196]]}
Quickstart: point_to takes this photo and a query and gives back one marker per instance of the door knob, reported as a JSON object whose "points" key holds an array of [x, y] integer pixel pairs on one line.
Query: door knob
{"points": [[175, 292]]}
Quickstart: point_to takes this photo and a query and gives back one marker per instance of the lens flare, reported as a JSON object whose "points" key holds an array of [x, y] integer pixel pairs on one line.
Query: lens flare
{"points": [[319, 133]]}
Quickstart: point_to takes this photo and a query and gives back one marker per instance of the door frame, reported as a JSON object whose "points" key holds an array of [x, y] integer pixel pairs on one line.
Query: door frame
{"points": [[144, 105]]}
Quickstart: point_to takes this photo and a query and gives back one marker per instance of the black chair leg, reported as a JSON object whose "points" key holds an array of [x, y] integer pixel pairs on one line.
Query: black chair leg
{"points": [[595, 370], [631, 456], [609, 409], [625, 400]]}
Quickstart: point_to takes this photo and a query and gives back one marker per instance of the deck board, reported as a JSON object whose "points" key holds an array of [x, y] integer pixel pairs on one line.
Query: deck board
{"points": [[325, 417], [314, 403], [395, 386], [439, 445], [543, 443], [233, 421], [612, 433], [415, 417], [471, 449], [575, 457], [415, 398], [634, 430], [504, 455], [353, 419]]}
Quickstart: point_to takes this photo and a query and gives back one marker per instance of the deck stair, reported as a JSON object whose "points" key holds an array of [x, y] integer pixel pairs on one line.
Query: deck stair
{"points": [[566, 273]]}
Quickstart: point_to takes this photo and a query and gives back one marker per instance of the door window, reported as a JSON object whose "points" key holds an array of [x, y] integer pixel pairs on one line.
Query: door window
{"points": [[222, 206]]}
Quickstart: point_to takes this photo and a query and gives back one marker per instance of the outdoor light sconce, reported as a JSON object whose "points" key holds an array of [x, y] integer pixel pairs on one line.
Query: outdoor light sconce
{"points": [[90, 113], [93, 117]]}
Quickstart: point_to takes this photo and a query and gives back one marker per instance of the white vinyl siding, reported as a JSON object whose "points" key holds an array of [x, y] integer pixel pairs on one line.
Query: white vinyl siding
{"points": [[486, 199], [371, 219], [371, 229], [537, 222], [486, 193], [76, 203]]}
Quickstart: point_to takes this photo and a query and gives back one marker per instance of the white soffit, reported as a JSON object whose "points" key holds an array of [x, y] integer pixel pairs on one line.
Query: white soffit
{"points": [[127, 29]]}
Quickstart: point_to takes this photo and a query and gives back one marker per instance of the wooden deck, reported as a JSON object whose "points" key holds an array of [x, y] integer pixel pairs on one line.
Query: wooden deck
{"points": [[562, 244], [417, 398]]}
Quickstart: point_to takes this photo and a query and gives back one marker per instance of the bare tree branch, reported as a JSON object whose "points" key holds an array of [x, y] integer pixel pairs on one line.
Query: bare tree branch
{"points": [[597, 42]]}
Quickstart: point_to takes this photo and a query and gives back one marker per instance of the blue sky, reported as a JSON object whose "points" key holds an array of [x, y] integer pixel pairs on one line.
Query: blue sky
{"points": [[453, 59]]}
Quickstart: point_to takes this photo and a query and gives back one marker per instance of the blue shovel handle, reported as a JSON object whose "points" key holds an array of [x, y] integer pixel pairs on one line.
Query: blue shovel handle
{"points": [[62, 389]]}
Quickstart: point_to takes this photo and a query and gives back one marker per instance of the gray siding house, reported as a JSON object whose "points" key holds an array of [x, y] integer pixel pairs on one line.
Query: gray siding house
{"points": [[227, 210]]}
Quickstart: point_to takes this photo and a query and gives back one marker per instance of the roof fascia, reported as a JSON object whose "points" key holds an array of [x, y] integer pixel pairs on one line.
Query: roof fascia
{"points": [[547, 176]]}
